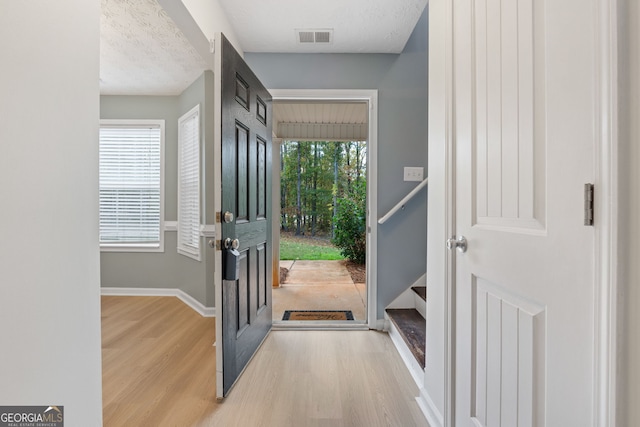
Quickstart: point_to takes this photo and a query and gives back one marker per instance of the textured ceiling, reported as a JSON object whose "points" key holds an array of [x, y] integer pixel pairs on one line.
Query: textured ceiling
{"points": [[359, 26], [142, 52]]}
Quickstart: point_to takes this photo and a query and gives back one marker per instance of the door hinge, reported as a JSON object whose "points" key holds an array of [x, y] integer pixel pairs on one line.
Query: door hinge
{"points": [[218, 217], [588, 204]]}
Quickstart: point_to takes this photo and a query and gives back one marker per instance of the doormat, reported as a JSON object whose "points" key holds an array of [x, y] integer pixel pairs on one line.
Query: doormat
{"points": [[317, 315]]}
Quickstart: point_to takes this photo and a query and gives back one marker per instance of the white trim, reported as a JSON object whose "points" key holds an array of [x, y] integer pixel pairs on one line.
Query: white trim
{"points": [[171, 226], [429, 409], [208, 230], [420, 305], [200, 308], [305, 325], [133, 247], [606, 242], [404, 300], [217, 205], [407, 298], [450, 228], [196, 305], [371, 97], [417, 373]]}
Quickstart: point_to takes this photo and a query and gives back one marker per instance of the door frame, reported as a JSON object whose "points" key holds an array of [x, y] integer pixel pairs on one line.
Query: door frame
{"points": [[371, 97], [606, 208]]}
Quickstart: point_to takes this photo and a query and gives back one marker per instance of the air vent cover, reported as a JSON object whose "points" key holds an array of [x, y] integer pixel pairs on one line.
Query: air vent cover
{"points": [[316, 36]]}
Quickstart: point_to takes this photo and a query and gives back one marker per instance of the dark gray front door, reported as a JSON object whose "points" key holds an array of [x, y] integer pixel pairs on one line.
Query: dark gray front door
{"points": [[246, 193]]}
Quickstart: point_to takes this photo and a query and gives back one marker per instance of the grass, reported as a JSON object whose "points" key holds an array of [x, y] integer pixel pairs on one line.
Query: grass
{"points": [[307, 249]]}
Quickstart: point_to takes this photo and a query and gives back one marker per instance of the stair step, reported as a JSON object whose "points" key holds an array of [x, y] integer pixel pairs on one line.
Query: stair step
{"points": [[411, 325], [421, 291]]}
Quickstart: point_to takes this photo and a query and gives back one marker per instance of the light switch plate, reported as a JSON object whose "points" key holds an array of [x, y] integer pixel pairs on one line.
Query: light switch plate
{"points": [[413, 173]]}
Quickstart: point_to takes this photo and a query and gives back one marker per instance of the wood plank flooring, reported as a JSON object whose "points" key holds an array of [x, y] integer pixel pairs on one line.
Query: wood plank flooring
{"points": [[158, 362], [159, 370]]}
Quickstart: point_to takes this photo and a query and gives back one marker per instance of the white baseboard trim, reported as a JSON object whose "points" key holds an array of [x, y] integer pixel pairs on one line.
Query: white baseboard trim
{"points": [[429, 409], [380, 325], [196, 305], [420, 305], [406, 299], [417, 373], [203, 310]]}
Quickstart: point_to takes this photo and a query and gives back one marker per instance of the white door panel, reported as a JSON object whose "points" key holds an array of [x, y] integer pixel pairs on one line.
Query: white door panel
{"points": [[524, 109]]}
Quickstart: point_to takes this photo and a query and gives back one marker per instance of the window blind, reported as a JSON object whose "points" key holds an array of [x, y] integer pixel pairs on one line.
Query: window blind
{"points": [[189, 184], [130, 185]]}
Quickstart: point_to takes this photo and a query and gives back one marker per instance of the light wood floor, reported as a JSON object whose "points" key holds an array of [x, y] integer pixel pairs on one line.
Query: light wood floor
{"points": [[159, 370]]}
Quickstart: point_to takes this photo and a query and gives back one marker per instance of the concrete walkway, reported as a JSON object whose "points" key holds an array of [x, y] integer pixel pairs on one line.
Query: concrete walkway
{"points": [[318, 285], [317, 273]]}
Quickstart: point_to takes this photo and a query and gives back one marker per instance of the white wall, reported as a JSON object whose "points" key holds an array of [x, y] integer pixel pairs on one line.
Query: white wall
{"points": [[211, 19], [49, 275], [629, 215], [433, 393]]}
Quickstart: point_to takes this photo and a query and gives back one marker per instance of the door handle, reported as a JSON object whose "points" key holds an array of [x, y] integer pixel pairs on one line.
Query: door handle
{"points": [[459, 243]]}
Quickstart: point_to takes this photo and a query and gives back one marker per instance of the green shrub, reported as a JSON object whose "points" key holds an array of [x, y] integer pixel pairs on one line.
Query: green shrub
{"points": [[351, 224]]}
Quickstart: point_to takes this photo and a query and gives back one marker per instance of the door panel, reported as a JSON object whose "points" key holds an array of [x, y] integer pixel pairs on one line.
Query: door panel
{"points": [[246, 175], [506, 332], [524, 147], [509, 160]]}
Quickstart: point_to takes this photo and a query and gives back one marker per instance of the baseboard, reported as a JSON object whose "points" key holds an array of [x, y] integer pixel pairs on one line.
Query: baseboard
{"points": [[196, 305], [420, 305], [200, 308], [417, 373], [429, 409], [406, 298], [380, 325]]}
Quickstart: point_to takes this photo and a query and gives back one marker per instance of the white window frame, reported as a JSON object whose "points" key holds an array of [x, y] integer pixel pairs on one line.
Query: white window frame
{"points": [[189, 215], [141, 246]]}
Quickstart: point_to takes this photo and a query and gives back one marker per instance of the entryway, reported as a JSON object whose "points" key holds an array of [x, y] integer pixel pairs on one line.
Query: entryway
{"points": [[313, 286]]}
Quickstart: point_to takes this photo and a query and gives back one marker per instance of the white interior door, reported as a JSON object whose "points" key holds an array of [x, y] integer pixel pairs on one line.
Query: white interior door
{"points": [[524, 113]]}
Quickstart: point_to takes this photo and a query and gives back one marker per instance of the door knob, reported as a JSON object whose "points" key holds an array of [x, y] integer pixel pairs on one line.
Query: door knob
{"points": [[459, 243], [227, 217], [231, 244]]}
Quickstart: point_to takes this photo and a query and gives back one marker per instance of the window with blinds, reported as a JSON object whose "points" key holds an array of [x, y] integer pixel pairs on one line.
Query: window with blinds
{"points": [[131, 185], [189, 184]]}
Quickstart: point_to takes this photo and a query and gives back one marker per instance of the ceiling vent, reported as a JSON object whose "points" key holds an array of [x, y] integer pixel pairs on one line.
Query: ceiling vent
{"points": [[318, 36]]}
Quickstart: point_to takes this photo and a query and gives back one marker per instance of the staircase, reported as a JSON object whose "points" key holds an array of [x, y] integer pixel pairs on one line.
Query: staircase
{"points": [[407, 329]]}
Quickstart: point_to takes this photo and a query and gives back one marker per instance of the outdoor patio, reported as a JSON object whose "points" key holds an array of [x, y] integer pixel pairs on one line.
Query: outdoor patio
{"points": [[318, 285]]}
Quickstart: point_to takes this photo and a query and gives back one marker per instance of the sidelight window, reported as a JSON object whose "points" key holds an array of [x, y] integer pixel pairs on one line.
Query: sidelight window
{"points": [[189, 184]]}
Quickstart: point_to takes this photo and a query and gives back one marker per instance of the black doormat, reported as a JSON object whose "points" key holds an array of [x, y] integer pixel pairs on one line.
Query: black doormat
{"points": [[317, 315]]}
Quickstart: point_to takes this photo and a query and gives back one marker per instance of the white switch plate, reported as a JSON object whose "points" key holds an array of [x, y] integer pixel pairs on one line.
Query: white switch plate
{"points": [[413, 174]]}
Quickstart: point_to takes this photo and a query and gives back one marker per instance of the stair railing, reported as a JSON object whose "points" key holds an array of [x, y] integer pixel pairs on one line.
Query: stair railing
{"points": [[400, 205]]}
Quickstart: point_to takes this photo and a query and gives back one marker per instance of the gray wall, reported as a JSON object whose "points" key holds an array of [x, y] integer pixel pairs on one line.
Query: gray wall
{"points": [[201, 92], [168, 269], [629, 214], [49, 275], [401, 81]]}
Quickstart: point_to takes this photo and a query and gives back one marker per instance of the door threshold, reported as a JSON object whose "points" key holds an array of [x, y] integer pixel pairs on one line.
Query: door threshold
{"points": [[313, 325]]}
